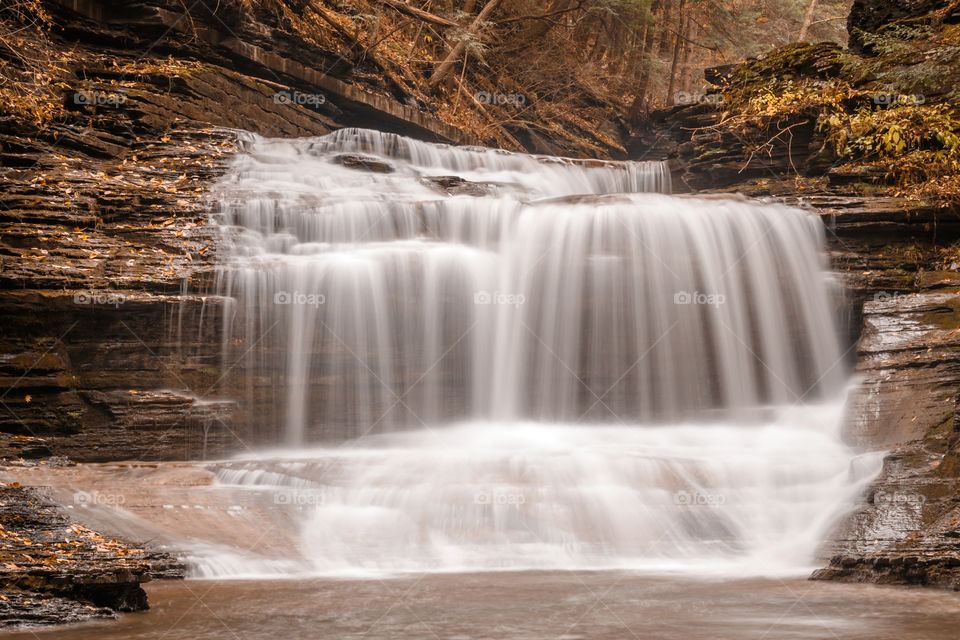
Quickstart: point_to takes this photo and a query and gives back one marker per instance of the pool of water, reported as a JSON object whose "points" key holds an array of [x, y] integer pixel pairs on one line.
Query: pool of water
{"points": [[554, 605]]}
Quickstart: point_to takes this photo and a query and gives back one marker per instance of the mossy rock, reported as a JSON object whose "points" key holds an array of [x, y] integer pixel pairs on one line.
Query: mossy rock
{"points": [[820, 60], [946, 316]]}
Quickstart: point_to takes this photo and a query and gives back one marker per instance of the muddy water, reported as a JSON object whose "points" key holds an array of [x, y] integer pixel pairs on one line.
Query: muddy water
{"points": [[530, 605]]}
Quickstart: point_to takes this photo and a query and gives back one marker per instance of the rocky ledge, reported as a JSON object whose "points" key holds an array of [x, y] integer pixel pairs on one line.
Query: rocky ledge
{"points": [[55, 571], [907, 530]]}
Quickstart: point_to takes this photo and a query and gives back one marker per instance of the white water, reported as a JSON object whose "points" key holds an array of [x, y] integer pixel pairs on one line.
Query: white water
{"points": [[570, 371], [378, 304], [720, 500]]}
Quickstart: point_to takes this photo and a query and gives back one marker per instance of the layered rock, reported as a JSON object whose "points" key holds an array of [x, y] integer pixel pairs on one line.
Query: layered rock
{"points": [[96, 253], [56, 571], [106, 257], [907, 531]]}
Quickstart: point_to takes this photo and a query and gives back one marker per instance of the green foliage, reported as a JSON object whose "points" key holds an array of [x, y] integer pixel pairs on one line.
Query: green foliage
{"points": [[893, 132], [917, 145], [915, 59]]}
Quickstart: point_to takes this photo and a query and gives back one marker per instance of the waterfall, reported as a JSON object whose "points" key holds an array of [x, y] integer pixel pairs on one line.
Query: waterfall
{"points": [[498, 360], [559, 290]]}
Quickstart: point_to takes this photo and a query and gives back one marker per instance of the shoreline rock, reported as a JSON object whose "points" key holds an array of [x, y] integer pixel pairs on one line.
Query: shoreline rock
{"points": [[53, 571], [941, 572]]}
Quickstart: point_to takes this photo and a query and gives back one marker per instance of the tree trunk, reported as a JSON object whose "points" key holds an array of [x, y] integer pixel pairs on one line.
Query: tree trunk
{"points": [[461, 46], [650, 37], [686, 67], [664, 33], [681, 27], [807, 20]]}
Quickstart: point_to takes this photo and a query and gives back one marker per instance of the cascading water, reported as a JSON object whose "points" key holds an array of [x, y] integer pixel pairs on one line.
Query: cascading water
{"points": [[507, 361], [383, 303]]}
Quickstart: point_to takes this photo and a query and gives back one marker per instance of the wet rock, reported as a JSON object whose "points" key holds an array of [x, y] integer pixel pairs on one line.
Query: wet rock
{"points": [[23, 447], [364, 163], [939, 571], [456, 186], [53, 571], [905, 402], [29, 609]]}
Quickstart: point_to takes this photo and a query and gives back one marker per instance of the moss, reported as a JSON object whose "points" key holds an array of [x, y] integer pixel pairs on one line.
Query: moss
{"points": [[72, 420], [945, 426], [946, 316], [823, 59], [202, 379], [713, 151], [868, 189]]}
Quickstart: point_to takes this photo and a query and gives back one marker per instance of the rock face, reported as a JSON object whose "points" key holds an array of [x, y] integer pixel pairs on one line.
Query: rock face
{"points": [[896, 260], [908, 529], [106, 256], [55, 571], [705, 152], [286, 69], [96, 253]]}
